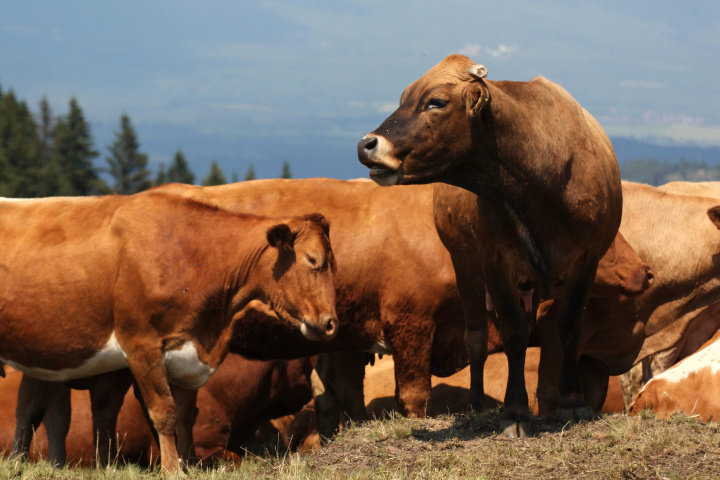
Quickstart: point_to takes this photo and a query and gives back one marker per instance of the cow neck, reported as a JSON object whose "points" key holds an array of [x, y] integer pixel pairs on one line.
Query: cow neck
{"points": [[486, 178]]}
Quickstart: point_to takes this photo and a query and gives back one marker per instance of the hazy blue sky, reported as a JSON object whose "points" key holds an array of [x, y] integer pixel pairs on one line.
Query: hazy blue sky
{"points": [[264, 82]]}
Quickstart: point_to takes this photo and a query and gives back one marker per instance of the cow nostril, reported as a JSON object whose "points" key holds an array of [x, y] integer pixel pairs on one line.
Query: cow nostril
{"points": [[650, 277], [370, 143], [331, 326]]}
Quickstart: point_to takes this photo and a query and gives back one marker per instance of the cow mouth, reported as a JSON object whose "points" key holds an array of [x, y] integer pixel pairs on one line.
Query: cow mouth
{"points": [[383, 175]]}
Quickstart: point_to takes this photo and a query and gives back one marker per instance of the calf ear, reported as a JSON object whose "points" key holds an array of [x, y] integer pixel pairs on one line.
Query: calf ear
{"points": [[281, 237], [714, 214], [320, 219], [477, 94]]}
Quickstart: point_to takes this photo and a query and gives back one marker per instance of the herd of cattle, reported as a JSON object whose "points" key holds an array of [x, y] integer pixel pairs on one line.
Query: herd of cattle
{"points": [[501, 226]]}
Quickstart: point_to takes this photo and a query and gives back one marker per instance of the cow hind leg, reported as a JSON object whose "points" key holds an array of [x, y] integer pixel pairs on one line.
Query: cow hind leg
{"points": [[185, 404], [107, 393], [34, 398], [57, 422], [571, 405]]}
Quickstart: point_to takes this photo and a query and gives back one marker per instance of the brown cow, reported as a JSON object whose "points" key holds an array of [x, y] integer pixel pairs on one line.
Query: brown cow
{"points": [[702, 189], [405, 304], [541, 203], [675, 316], [691, 386], [112, 282], [236, 399]]}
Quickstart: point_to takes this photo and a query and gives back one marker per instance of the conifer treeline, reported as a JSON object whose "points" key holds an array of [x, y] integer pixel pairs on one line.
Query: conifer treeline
{"points": [[45, 155]]}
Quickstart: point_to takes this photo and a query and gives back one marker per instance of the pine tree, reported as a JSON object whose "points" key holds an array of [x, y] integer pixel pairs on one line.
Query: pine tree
{"points": [[127, 165], [215, 177], [179, 171], [73, 156], [162, 176], [20, 167], [250, 174], [286, 170]]}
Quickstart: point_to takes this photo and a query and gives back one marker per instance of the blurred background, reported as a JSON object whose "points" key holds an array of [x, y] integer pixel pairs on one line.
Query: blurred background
{"points": [[117, 96]]}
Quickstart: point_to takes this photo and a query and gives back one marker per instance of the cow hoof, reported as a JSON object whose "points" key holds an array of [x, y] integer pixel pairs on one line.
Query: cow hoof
{"points": [[515, 429]]}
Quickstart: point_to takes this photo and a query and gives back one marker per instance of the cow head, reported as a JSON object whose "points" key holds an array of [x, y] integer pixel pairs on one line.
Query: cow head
{"points": [[621, 270], [303, 273], [431, 131]]}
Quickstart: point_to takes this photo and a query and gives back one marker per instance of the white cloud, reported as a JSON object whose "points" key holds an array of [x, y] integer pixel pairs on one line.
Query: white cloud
{"points": [[245, 107], [470, 50], [502, 50], [386, 107]]}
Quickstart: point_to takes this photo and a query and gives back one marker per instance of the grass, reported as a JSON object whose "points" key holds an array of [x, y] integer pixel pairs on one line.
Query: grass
{"points": [[459, 447]]}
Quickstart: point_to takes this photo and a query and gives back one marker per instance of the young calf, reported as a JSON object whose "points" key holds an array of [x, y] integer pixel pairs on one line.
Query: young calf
{"points": [[155, 282]]}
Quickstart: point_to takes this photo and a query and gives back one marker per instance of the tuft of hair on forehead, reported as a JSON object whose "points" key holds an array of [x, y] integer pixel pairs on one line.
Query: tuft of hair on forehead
{"points": [[320, 220]]}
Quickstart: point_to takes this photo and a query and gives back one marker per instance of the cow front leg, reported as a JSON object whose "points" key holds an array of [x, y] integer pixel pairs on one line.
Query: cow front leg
{"points": [[571, 405], [515, 333], [594, 382], [327, 406], [412, 354], [151, 378], [107, 393], [474, 305]]}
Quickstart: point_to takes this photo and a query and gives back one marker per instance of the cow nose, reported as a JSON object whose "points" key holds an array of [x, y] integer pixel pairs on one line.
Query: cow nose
{"points": [[324, 328], [366, 147]]}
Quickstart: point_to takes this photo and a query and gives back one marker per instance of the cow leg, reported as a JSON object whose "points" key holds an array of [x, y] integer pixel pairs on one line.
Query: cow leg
{"points": [[57, 422], [185, 405], [571, 404], [411, 342], [34, 398], [346, 373], [594, 382], [472, 298], [550, 358], [515, 333], [151, 378], [327, 406], [107, 393]]}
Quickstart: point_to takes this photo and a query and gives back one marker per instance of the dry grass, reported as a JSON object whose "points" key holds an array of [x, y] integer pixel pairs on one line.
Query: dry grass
{"points": [[450, 447]]}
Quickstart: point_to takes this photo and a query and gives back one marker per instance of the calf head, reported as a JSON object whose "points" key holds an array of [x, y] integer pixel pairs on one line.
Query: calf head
{"points": [[431, 131], [621, 271], [302, 275]]}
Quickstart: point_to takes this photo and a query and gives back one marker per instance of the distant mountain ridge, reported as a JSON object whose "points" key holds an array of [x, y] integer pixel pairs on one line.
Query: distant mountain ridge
{"points": [[630, 149]]}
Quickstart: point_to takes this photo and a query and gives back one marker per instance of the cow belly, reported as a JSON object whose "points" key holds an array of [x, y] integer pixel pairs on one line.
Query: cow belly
{"points": [[110, 357], [185, 369]]}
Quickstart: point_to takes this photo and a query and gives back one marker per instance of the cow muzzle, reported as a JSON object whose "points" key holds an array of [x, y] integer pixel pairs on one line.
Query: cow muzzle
{"points": [[324, 328], [374, 153]]}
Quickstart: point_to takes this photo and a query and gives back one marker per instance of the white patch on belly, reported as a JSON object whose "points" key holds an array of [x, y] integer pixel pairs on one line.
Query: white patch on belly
{"points": [[707, 358], [381, 348], [110, 358], [185, 369]]}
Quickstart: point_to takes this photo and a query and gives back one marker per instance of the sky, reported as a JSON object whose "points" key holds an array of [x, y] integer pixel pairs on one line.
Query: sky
{"points": [[260, 83]]}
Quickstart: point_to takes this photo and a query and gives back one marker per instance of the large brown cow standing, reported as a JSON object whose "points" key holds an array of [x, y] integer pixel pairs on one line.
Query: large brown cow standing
{"points": [[154, 282], [541, 202]]}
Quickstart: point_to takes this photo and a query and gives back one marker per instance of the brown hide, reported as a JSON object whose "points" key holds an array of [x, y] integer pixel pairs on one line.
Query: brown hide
{"points": [[679, 312], [232, 404], [540, 202], [702, 189], [395, 281], [137, 273], [692, 386]]}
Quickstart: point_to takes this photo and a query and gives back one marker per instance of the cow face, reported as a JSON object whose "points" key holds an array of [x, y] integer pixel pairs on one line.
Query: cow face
{"points": [[304, 272], [621, 271], [432, 130]]}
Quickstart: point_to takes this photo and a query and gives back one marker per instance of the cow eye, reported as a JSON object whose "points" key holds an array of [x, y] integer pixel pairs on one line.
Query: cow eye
{"points": [[311, 260], [436, 103]]}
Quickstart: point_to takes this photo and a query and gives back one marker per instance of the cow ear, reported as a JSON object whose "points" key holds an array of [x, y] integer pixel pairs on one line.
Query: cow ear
{"points": [[477, 94], [320, 219], [714, 214], [281, 237]]}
